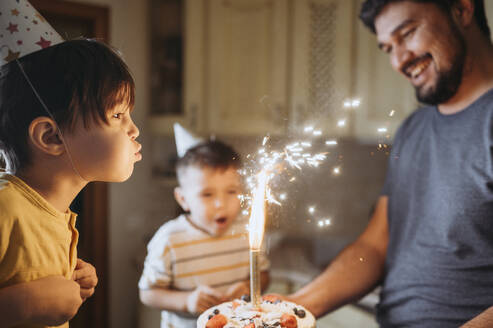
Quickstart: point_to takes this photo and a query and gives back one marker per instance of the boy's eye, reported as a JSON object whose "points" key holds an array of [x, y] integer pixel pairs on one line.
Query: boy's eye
{"points": [[233, 192], [206, 195], [118, 115]]}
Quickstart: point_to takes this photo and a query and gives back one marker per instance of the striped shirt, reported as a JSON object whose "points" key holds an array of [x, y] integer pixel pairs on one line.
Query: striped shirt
{"points": [[182, 257]]}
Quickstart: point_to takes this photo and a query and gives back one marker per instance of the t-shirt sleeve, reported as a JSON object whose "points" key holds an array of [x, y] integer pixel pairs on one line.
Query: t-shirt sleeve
{"points": [[157, 265]]}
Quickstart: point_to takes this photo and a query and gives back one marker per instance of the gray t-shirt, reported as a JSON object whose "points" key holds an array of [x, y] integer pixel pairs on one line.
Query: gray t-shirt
{"points": [[439, 266]]}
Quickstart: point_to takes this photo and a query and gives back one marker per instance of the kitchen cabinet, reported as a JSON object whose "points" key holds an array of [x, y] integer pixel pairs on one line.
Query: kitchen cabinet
{"points": [[253, 67]]}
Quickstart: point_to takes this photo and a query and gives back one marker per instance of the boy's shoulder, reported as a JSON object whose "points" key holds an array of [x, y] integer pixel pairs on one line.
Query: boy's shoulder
{"points": [[170, 230], [11, 198]]}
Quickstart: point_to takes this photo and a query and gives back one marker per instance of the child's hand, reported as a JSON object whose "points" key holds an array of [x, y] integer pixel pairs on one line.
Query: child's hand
{"points": [[203, 298], [236, 291], [53, 300], [85, 276]]}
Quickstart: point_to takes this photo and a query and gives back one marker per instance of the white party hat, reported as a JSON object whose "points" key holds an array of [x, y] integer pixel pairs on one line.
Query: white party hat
{"points": [[184, 139], [23, 30]]}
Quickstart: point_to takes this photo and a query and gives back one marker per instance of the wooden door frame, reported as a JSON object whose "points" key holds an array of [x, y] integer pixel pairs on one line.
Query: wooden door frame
{"points": [[95, 194]]}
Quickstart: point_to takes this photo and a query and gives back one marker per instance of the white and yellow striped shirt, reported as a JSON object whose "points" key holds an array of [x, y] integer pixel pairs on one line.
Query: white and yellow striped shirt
{"points": [[182, 257]]}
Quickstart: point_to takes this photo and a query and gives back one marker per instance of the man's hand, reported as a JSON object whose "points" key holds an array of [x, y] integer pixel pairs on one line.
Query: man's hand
{"points": [[53, 300], [236, 291], [203, 298], [85, 276]]}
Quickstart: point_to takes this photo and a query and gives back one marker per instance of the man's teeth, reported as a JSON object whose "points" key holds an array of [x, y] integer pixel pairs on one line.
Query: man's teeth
{"points": [[419, 68]]}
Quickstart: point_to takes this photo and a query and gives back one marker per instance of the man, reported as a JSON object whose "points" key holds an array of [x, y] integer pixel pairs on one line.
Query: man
{"points": [[430, 240]]}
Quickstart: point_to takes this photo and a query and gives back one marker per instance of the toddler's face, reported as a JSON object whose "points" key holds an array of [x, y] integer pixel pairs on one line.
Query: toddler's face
{"points": [[105, 152], [211, 196]]}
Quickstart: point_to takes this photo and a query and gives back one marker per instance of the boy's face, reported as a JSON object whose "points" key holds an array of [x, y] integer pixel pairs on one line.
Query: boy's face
{"points": [[105, 152], [211, 196]]}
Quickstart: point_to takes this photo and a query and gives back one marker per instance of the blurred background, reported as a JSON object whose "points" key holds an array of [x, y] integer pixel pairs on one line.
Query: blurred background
{"points": [[239, 70]]}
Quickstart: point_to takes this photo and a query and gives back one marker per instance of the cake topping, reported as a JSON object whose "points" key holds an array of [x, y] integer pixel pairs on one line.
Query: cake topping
{"points": [[245, 297], [288, 321], [299, 312], [271, 298], [217, 321]]}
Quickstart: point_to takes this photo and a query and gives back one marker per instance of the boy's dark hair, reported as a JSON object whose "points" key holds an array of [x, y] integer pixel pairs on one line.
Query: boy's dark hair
{"points": [[371, 8], [211, 154], [77, 79]]}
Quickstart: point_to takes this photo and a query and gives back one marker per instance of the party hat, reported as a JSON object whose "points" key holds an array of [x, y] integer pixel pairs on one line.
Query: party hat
{"points": [[23, 30], [184, 139]]}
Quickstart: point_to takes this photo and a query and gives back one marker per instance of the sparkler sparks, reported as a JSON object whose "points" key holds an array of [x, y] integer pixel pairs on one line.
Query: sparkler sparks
{"points": [[295, 155]]}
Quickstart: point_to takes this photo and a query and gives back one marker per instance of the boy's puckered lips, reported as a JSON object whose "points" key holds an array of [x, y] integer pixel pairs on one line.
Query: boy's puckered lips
{"points": [[137, 153]]}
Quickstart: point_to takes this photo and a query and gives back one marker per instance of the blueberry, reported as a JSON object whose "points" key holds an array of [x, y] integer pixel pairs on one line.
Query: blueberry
{"points": [[210, 316], [216, 311], [300, 313], [245, 298]]}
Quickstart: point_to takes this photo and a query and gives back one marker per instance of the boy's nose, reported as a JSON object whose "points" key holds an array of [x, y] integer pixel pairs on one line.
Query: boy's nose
{"points": [[219, 202], [134, 130]]}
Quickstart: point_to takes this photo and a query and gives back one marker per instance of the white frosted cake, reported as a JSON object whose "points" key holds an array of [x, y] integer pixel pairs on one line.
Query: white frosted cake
{"points": [[240, 314]]}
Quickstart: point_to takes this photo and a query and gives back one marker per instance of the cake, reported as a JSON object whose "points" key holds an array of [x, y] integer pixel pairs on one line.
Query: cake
{"points": [[274, 313]]}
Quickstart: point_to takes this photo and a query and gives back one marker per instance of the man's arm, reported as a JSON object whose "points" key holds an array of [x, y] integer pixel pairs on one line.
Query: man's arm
{"points": [[48, 301], [354, 272], [483, 320]]}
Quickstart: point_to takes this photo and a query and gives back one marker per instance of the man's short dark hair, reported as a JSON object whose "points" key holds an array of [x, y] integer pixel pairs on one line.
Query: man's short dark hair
{"points": [[371, 8], [77, 79], [210, 154]]}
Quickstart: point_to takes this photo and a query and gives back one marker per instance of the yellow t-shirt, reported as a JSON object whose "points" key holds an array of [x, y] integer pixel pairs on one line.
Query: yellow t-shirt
{"points": [[36, 240]]}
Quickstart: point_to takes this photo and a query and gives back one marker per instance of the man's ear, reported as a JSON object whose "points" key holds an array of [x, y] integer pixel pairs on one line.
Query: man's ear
{"points": [[44, 135], [463, 12], [180, 198]]}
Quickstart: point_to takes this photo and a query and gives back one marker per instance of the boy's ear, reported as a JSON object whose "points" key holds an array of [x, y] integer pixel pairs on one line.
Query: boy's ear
{"points": [[180, 198], [44, 135]]}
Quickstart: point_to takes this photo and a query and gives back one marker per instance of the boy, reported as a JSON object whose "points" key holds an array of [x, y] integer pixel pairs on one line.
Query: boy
{"points": [[64, 121], [201, 258]]}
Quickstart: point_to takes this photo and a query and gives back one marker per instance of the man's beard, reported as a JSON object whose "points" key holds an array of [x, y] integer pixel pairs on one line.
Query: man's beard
{"points": [[448, 82]]}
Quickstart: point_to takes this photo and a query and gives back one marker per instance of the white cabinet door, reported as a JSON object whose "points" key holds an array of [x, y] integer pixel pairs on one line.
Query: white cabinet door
{"points": [[321, 64], [387, 98], [246, 66]]}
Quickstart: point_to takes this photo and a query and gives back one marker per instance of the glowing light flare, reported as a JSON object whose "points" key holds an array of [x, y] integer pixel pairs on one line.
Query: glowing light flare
{"points": [[336, 170], [256, 224], [331, 142], [317, 133], [308, 129], [324, 222], [341, 123], [392, 112], [382, 130], [311, 209]]}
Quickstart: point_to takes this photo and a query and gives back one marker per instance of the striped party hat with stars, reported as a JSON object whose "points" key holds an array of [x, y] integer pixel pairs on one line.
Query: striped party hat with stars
{"points": [[23, 30]]}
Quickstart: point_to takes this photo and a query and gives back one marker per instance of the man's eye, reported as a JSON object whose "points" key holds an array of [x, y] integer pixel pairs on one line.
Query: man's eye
{"points": [[409, 33]]}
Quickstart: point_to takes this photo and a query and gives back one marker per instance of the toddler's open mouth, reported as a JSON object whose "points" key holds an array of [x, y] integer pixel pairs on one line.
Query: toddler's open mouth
{"points": [[221, 220]]}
